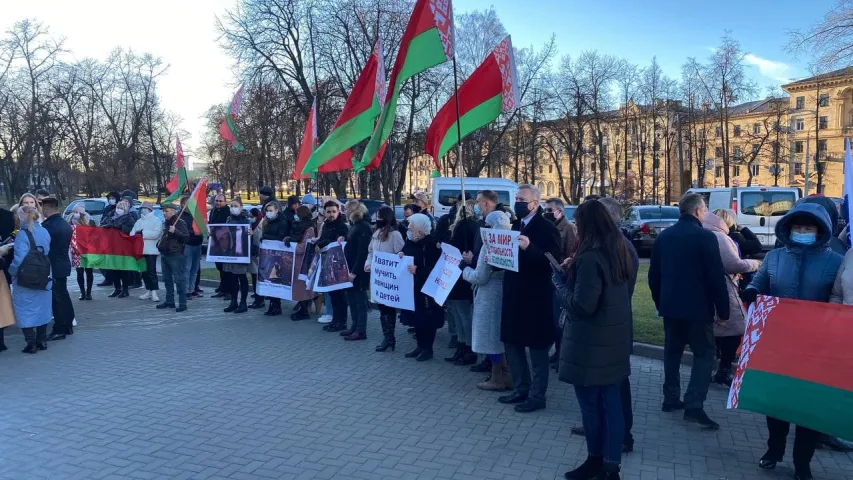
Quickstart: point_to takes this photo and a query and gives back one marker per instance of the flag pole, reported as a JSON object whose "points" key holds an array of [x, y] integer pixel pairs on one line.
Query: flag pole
{"points": [[312, 182], [458, 133]]}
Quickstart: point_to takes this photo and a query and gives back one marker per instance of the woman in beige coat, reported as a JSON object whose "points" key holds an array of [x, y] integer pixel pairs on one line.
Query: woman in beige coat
{"points": [[729, 333]]}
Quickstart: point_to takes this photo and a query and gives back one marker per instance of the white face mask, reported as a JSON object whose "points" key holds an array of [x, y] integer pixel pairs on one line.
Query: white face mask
{"points": [[112, 201], [272, 215], [119, 211], [236, 210], [75, 216], [146, 213]]}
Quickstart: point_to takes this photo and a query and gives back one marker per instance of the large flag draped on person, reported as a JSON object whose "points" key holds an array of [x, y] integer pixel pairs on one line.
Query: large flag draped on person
{"points": [[356, 121], [488, 92], [309, 143], [795, 364], [108, 248], [197, 206], [228, 129], [178, 184], [427, 42]]}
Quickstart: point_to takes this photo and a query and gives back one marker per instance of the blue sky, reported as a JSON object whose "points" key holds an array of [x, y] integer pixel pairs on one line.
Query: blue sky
{"points": [[672, 30]]}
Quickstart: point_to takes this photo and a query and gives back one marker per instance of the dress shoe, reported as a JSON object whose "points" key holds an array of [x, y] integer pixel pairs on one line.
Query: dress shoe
{"points": [[41, 345], [55, 336], [258, 304], [89, 296], [482, 367], [768, 461], [198, 292], [529, 406], [513, 398], [114, 294], [123, 294], [242, 308], [181, 308], [219, 294], [589, 469], [454, 340], [578, 431], [803, 473], [414, 353], [165, 305], [468, 357], [424, 356], [334, 328], [273, 311], [356, 336], [347, 332], [231, 307], [672, 407], [31, 348], [699, 416], [385, 345]]}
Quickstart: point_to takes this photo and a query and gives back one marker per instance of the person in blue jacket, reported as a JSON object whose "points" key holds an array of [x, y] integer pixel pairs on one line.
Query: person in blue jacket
{"points": [[33, 308], [804, 268]]}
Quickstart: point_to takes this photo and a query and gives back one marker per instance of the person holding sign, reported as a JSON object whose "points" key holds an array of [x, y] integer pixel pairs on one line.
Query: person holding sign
{"points": [[234, 279], [355, 251], [486, 327], [459, 305], [428, 316], [275, 228], [334, 227], [386, 239], [301, 230], [527, 315]]}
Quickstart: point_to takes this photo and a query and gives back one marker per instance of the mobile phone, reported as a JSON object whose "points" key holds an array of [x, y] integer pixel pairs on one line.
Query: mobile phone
{"points": [[554, 263]]}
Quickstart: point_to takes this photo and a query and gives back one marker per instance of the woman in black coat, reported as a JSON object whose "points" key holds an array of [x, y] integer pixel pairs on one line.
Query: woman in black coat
{"points": [[428, 315], [460, 302], [355, 251], [275, 228], [595, 358]]}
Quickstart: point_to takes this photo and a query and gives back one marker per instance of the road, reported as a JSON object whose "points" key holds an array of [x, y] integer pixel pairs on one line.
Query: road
{"points": [[141, 393]]}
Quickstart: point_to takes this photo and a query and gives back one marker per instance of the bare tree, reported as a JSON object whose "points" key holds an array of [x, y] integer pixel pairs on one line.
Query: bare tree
{"points": [[830, 41]]}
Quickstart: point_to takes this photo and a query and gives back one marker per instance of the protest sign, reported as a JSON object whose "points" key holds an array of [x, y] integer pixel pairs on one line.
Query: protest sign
{"points": [[307, 260], [444, 275], [501, 248], [332, 270], [390, 283], [275, 270], [228, 243]]}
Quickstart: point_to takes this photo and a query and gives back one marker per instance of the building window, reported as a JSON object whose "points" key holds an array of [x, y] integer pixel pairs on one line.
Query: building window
{"points": [[798, 147], [629, 164], [718, 172], [821, 148], [550, 169], [701, 152], [801, 103], [753, 169], [823, 100], [718, 131], [736, 170], [702, 134], [798, 168], [799, 124], [823, 123], [756, 129], [736, 153], [755, 150], [737, 130], [718, 152]]}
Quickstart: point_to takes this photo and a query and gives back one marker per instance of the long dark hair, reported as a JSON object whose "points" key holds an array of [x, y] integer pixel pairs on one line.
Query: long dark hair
{"points": [[596, 229], [387, 214]]}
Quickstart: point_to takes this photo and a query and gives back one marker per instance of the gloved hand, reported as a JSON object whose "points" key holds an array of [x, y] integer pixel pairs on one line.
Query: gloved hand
{"points": [[287, 242], [749, 295]]}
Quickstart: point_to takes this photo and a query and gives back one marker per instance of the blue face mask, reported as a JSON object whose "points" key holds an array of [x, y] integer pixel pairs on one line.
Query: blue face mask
{"points": [[478, 211], [804, 238]]}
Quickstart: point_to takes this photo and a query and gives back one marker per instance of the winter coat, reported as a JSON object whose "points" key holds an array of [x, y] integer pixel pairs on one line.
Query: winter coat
{"points": [[194, 239], [733, 266], [802, 272], [527, 305], [393, 244], [835, 243], [218, 216], [275, 229], [300, 290], [355, 251], [298, 228], [238, 268], [151, 229], [462, 236], [487, 282], [289, 217], [108, 212], [331, 231], [686, 275], [172, 244], [596, 348], [257, 234], [568, 237], [60, 243], [842, 289], [427, 313], [32, 307], [123, 222]]}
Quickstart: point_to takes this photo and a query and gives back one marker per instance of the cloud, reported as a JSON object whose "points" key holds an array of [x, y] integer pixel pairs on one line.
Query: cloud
{"points": [[778, 71]]}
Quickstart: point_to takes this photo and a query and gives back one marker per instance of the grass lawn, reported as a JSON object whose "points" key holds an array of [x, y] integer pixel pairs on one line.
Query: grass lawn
{"points": [[648, 327]]}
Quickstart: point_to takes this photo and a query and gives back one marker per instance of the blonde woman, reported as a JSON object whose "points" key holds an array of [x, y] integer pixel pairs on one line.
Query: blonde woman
{"points": [[32, 307]]}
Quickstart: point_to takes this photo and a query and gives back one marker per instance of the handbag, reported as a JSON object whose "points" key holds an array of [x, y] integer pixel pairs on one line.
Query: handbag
{"points": [[7, 313]]}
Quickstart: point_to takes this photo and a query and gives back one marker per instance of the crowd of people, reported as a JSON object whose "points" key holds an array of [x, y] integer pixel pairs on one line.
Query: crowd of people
{"points": [[573, 290]]}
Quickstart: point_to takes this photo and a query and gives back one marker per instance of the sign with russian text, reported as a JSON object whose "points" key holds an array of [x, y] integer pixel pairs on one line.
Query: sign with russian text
{"points": [[391, 284], [444, 275], [501, 248]]}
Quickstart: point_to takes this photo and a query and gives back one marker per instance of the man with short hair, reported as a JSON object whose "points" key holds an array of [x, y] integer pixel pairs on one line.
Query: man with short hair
{"points": [[568, 233], [688, 285], [527, 316], [172, 261], [41, 194], [60, 267], [334, 227]]}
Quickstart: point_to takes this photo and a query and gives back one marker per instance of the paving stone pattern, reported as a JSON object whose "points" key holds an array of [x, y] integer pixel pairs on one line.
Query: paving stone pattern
{"points": [[141, 393]]}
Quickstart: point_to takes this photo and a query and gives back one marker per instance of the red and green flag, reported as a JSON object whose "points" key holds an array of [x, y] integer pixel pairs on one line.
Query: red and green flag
{"points": [[309, 143], [427, 42], [108, 248], [197, 206], [356, 121], [228, 128], [796, 363], [178, 184], [488, 92]]}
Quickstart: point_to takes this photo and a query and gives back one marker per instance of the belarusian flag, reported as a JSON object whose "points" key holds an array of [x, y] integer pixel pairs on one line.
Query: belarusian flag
{"points": [[108, 248], [227, 129], [197, 206], [356, 121], [796, 363], [488, 92], [309, 143], [178, 183], [427, 42]]}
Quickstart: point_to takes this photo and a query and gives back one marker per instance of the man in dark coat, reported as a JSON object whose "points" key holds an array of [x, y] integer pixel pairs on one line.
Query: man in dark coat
{"points": [[267, 195], [218, 215], [289, 212], [688, 286], [334, 227], [527, 317], [60, 267], [176, 233]]}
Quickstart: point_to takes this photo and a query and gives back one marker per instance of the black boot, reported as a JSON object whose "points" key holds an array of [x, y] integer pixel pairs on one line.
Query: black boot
{"points": [[273, 310], [387, 322], [483, 367], [124, 294], [457, 355], [30, 348], [115, 293], [258, 303], [242, 308], [591, 468], [231, 306], [468, 356], [723, 376], [300, 312]]}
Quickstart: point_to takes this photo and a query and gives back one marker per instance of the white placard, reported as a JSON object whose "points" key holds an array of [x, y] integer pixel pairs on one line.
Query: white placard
{"points": [[228, 243], [444, 275], [332, 269], [391, 284], [501, 248], [275, 269]]}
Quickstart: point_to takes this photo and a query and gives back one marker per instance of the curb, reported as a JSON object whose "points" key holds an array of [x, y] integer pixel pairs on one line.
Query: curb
{"points": [[656, 352]]}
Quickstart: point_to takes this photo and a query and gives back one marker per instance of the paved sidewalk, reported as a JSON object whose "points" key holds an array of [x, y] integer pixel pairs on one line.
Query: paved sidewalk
{"points": [[141, 393]]}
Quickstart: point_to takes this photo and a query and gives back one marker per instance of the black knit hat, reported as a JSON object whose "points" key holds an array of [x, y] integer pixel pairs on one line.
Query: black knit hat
{"points": [[267, 190]]}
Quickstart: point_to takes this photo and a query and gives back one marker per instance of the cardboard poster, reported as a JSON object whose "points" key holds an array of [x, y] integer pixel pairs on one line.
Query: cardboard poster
{"points": [[444, 275], [391, 284], [501, 248]]}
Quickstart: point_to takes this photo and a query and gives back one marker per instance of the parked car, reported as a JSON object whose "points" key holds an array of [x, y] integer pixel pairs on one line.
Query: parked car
{"points": [[569, 212], [446, 191], [94, 207], [399, 213], [643, 224], [758, 208]]}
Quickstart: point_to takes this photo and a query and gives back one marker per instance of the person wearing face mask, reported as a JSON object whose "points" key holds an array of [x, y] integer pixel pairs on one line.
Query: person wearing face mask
{"points": [[386, 239], [355, 251], [122, 219], [301, 231], [218, 215], [568, 232], [85, 276], [428, 316], [112, 199], [527, 313], [334, 227], [805, 268], [257, 218], [275, 228], [688, 285], [459, 304], [60, 266], [235, 282], [151, 229]]}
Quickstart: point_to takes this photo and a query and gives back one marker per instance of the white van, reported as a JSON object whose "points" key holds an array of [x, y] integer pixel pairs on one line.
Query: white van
{"points": [[758, 208], [446, 191]]}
